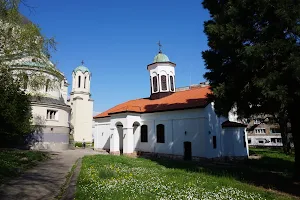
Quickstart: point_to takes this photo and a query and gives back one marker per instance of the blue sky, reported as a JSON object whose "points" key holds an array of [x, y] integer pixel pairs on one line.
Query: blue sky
{"points": [[117, 39]]}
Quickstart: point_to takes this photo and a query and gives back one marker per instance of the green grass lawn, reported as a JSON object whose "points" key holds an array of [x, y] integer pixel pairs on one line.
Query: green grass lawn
{"points": [[13, 162], [119, 177]]}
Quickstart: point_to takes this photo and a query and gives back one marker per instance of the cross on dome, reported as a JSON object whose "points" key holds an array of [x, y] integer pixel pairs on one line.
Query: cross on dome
{"points": [[159, 46], [82, 62]]}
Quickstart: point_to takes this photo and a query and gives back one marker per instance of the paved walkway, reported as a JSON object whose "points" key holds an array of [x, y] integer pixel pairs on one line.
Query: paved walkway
{"points": [[45, 180]]}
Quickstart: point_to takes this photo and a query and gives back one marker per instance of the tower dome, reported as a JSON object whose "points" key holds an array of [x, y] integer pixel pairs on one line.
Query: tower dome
{"points": [[162, 76], [160, 57], [81, 68], [81, 79]]}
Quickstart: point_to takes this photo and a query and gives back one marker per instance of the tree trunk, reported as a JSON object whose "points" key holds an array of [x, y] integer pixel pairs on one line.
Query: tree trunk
{"points": [[295, 121], [284, 135]]}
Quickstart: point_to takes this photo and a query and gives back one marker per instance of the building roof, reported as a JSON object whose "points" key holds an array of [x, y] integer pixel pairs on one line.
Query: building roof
{"points": [[48, 100], [160, 57], [81, 68], [193, 98], [232, 124]]}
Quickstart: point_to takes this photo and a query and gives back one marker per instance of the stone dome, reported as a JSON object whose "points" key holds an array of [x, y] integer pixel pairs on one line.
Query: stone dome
{"points": [[160, 57], [81, 68]]}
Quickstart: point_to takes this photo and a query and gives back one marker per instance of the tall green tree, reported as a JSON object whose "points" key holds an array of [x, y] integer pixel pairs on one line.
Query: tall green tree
{"points": [[15, 111], [21, 42], [20, 37], [253, 60]]}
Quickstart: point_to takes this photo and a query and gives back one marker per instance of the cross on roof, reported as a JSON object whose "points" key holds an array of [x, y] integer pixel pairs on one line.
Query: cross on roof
{"points": [[159, 46], [82, 62]]}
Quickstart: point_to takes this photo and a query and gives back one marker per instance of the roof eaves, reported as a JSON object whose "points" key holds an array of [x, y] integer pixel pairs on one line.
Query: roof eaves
{"points": [[228, 124]]}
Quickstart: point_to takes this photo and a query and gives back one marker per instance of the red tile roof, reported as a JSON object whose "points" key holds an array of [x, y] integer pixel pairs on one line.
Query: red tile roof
{"points": [[193, 98]]}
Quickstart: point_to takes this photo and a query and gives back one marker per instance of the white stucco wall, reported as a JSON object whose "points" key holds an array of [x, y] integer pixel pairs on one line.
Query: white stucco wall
{"points": [[102, 133], [82, 116], [82, 107], [85, 81], [234, 142], [197, 126], [159, 69], [39, 111], [53, 134]]}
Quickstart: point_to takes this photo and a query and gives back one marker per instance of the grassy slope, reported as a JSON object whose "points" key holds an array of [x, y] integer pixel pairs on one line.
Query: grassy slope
{"points": [[13, 162], [113, 177]]}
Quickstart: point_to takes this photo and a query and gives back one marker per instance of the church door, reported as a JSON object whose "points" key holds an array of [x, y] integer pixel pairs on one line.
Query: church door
{"points": [[187, 150]]}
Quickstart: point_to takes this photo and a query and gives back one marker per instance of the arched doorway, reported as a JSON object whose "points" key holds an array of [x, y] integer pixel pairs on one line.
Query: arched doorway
{"points": [[119, 126], [136, 135]]}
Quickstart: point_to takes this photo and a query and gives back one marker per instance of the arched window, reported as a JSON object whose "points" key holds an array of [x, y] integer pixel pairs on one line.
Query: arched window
{"points": [[172, 83], [155, 84], [25, 81], [163, 82], [160, 133], [144, 133], [47, 85], [79, 80], [84, 81]]}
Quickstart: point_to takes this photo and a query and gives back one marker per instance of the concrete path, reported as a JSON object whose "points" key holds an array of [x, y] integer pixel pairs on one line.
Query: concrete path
{"points": [[45, 180]]}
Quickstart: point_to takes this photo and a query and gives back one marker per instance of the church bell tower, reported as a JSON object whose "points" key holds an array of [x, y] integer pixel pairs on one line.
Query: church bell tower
{"points": [[81, 104], [162, 75]]}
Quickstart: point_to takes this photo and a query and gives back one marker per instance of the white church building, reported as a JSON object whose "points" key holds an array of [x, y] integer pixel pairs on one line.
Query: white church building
{"points": [[55, 114], [171, 122], [57, 117]]}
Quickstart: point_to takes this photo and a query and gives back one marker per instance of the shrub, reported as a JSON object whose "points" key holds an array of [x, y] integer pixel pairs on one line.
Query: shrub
{"points": [[15, 111]]}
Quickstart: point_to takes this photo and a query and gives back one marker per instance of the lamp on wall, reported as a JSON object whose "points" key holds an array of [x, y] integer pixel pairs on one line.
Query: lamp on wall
{"points": [[209, 132], [185, 132]]}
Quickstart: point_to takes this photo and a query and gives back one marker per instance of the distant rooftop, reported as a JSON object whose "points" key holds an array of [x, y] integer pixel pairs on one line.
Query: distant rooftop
{"points": [[202, 84]]}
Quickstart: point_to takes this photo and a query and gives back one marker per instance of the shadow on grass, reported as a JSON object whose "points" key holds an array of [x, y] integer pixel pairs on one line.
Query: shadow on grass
{"points": [[268, 172]]}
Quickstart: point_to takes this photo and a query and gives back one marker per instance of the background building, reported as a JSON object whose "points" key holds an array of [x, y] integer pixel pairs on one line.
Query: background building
{"points": [[55, 117], [265, 134]]}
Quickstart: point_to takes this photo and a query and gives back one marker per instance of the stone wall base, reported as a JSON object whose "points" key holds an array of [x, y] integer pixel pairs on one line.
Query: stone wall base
{"points": [[101, 150], [50, 146], [132, 155], [175, 157], [114, 152], [194, 158]]}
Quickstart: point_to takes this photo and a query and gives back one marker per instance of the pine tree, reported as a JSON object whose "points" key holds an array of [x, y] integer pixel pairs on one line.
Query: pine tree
{"points": [[253, 60]]}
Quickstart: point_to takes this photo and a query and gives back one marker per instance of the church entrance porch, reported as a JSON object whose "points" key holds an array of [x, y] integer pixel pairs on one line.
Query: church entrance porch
{"points": [[116, 141], [136, 135], [122, 140]]}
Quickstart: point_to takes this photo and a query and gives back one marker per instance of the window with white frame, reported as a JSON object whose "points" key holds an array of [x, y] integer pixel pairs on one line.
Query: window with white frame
{"points": [[260, 131], [52, 114]]}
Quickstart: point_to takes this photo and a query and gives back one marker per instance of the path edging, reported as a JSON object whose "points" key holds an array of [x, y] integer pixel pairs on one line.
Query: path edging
{"points": [[67, 191]]}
